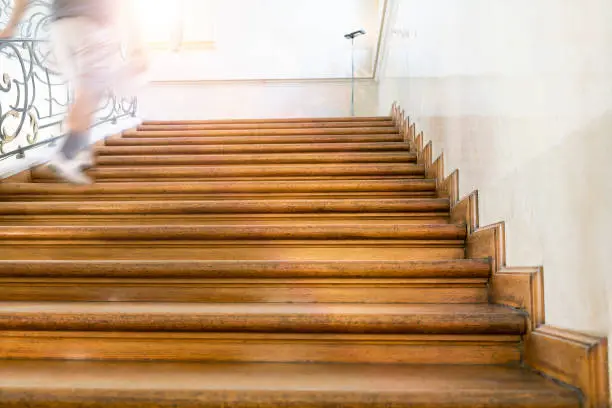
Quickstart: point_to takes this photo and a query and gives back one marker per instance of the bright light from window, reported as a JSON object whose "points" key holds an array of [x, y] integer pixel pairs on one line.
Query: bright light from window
{"points": [[160, 20]]}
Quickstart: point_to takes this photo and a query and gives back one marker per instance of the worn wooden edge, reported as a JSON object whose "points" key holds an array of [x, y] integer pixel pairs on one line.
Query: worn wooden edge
{"points": [[574, 358], [24, 176]]}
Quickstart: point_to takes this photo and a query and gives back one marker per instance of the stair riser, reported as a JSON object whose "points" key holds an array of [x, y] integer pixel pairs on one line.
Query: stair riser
{"points": [[475, 350], [348, 207], [442, 234], [295, 125], [261, 132], [42, 197], [220, 188], [203, 250], [187, 180], [345, 119], [252, 140], [246, 159], [339, 291], [397, 147], [222, 219], [263, 322], [242, 269], [217, 172]]}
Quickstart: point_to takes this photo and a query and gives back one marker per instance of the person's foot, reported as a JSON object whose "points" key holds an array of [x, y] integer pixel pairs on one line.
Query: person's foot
{"points": [[68, 170], [85, 159]]}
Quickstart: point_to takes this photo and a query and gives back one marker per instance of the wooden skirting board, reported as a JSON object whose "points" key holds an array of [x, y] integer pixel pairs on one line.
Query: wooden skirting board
{"points": [[576, 359]]}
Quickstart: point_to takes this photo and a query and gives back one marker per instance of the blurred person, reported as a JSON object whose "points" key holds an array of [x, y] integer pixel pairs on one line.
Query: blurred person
{"points": [[86, 39]]}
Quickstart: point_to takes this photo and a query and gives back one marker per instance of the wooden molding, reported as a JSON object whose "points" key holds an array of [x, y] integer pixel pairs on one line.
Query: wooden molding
{"points": [[576, 359], [449, 187]]}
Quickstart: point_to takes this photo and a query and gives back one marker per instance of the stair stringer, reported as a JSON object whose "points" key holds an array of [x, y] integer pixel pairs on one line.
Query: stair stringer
{"points": [[577, 359]]}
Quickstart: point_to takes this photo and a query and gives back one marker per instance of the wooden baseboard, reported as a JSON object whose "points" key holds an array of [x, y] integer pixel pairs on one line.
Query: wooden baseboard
{"points": [[574, 358]]}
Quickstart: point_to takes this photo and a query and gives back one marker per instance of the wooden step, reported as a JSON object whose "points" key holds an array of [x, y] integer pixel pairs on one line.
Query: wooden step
{"points": [[252, 140], [262, 317], [395, 291], [286, 219], [465, 281], [219, 188], [234, 212], [431, 205], [268, 125], [155, 173], [312, 133], [271, 120], [251, 149], [458, 349], [243, 269], [62, 384], [223, 242], [249, 159], [237, 232]]}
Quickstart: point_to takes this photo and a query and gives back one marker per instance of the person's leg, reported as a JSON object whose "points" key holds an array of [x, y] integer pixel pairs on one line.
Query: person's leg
{"points": [[89, 52]]}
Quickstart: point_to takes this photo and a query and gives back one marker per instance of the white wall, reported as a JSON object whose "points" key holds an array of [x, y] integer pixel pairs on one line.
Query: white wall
{"points": [[264, 39], [519, 97], [256, 99]]}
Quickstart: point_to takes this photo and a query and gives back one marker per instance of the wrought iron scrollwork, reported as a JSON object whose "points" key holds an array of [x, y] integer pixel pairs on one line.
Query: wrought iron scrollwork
{"points": [[33, 96]]}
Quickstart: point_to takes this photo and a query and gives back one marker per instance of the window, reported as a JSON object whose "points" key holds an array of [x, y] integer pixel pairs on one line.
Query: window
{"points": [[178, 24]]}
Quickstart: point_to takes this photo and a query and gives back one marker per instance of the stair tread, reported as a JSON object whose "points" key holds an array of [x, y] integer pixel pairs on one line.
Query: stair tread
{"points": [[230, 206], [257, 148], [263, 317], [268, 125], [210, 187], [251, 385], [261, 132], [251, 170], [263, 158], [272, 120], [253, 140], [237, 232], [458, 268]]}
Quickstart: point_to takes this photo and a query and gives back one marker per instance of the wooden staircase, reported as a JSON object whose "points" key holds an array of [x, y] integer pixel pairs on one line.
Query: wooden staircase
{"points": [[250, 264]]}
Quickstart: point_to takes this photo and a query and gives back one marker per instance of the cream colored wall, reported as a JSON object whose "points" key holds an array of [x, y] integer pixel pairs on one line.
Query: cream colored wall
{"points": [[518, 95], [256, 99], [266, 39]]}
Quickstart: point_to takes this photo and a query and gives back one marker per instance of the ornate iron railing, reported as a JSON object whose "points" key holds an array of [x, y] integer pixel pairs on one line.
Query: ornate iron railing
{"points": [[33, 97]]}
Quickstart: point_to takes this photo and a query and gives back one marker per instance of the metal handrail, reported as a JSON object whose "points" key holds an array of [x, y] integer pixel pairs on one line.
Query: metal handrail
{"points": [[34, 97]]}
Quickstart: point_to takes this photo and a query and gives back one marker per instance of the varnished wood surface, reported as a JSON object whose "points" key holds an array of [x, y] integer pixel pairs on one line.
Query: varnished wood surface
{"points": [[262, 317], [314, 132], [248, 171], [252, 148], [235, 232], [252, 140], [244, 269], [267, 125], [248, 159], [394, 291], [271, 120], [434, 349], [219, 188], [159, 249], [150, 385], [228, 206], [575, 358], [288, 241], [288, 219]]}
